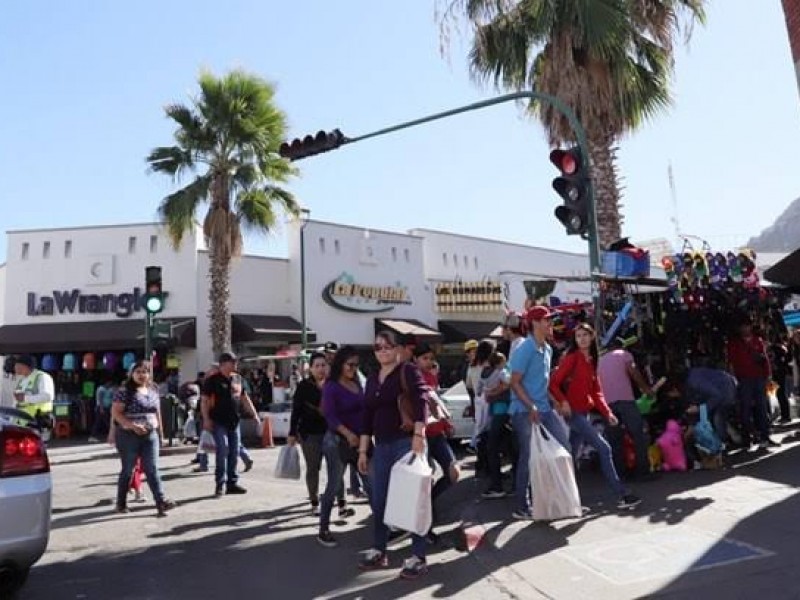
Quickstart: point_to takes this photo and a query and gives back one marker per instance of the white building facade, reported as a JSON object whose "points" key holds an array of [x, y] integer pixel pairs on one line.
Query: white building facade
{"points": [[79, 290]]}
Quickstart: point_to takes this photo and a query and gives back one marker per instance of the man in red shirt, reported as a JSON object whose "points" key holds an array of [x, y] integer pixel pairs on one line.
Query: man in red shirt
{"points": [[747, 356]]}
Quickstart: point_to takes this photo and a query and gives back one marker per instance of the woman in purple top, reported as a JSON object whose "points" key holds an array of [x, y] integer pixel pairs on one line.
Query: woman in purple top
{"points": [[383, 421], [343, 407]]}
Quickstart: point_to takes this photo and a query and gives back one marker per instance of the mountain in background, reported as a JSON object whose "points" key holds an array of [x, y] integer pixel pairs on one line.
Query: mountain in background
{"points": [[781, 236]]}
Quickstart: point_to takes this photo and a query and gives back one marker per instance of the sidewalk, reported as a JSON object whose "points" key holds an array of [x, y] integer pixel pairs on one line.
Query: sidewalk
{"points": [[730, 533]]}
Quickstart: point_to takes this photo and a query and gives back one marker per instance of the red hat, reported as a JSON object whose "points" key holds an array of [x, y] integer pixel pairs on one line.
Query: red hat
{"points": [[539, 313]]}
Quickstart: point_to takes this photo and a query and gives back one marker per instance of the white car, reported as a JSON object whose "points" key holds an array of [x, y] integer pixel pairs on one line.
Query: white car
{"points": [[280, 414], [25, 499], [457, 401]]}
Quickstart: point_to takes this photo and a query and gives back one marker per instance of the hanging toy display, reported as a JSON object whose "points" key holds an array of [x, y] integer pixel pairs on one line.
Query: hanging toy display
{"points": [[110, 361], [68, 364]]}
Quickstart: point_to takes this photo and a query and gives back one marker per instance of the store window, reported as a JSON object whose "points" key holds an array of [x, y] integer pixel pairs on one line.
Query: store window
{"points": [[394, 254], [153, 244], [46, 250], [25, 249], [336, 247], [322, 245], [476, 263], [67, 248], [407, 255], [466, 262], [444, 258], [132, 245], [455, 260]]}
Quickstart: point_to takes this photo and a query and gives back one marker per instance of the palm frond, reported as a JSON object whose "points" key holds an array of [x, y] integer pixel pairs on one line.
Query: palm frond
{"points": [[172, 160], [178, 209]]}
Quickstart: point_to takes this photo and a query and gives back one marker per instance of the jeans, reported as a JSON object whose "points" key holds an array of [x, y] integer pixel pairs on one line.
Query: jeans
{"points": [[102, 422], [753, 402], [497, 431], [331, 450], [130, 447], [439, 451], [311, 445], [227, 440], [581, 430], [383, 459], [522, 430], [630, 420]]}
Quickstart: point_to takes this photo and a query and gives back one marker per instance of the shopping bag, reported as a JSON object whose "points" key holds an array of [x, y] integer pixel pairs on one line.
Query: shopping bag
{"points": [[408, 503], [288, 465], [555, 492], [190, 429], [207, 443]]}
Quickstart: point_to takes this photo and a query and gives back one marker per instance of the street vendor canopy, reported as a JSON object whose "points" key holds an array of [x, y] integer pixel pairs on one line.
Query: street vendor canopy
{"points": [[786, 272]]}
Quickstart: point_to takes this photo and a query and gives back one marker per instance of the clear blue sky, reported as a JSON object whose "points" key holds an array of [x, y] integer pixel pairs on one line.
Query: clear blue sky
{"points": [[84, 83]]}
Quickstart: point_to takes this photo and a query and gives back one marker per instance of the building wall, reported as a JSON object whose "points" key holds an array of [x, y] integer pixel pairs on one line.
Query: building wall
{"points": [[370, 258], [791, 10], [95, 261]]}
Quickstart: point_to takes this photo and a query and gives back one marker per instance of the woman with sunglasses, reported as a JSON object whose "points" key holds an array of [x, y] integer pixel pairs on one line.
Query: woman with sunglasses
{"points": [[393, 440], [576, 389], [136, 410], [343, 407]]}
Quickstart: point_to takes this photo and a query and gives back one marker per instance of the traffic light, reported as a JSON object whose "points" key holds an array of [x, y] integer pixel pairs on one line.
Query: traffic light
{"points": [[154, 295], [312, 144], [573, 187]]}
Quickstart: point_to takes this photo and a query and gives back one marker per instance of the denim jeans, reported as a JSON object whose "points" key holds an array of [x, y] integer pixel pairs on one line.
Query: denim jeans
{"points": [[331, 451], [581, 430], [227, 440], [311, 445], [522, 430], [383, 459], [753, 403], [130, 447], [630, 420], [439, 451]]}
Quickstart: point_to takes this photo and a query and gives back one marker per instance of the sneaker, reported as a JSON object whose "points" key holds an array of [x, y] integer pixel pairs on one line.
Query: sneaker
{"points": [[326, 539], [93, 440], [373, 559], [345, 512], [164, 506], [492, 494], [432, 538], [139, 498], [194, 461], [522, 515], [235, 488], [218, 491], [122, 510], [248, 464], [414, 567], [200, 470], [629, 501], [315, 510]]}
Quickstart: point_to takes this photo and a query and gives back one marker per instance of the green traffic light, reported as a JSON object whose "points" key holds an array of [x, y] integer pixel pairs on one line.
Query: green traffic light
{"points": [[154, 304]]}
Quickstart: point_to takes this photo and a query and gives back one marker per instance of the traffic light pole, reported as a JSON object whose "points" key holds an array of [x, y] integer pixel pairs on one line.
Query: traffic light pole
{"points": [[148, 335], [580, 136]]}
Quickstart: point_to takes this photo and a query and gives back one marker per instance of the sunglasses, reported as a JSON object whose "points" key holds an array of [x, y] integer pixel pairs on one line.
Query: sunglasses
{"points": [[381, 347]]}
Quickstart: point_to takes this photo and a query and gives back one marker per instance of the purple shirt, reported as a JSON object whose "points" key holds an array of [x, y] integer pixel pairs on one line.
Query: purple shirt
{"points": [[342, 406], [381, 414]]}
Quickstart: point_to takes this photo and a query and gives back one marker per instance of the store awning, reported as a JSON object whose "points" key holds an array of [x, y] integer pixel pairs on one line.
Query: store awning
{"points": [[411, 327], [786, 272], [461, 331], [87, 336], [272, 329]]}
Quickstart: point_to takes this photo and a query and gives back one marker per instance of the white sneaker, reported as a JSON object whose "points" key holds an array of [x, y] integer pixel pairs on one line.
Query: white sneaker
{"points": [[139, 498]]}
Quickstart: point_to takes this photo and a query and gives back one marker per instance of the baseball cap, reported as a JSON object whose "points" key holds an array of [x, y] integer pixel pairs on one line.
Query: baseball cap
{"points": [[470, 345], [227, 357], [330, 347], [539, 313]]}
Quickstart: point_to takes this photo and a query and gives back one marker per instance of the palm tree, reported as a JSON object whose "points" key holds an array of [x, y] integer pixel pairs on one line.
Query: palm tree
{"points": [[610, 60], [228, 140]]}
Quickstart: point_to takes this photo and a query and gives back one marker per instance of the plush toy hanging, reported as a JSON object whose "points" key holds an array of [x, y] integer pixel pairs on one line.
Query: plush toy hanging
{"points": [[50, 363], [68, 363], [109, 361], [89, 361], [128, 360]]}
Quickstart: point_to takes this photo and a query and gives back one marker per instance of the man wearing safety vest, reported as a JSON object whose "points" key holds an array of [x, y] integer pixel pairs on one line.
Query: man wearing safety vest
{"points": [[35, 390]]}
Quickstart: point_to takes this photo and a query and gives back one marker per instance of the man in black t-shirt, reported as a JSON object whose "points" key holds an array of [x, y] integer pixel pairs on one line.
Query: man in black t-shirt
{"points": [[221, 408]]}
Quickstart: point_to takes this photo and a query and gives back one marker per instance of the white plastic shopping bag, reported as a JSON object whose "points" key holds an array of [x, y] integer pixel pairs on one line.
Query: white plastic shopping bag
{"points": [[288, 465], [207, 443], [555, 492], [190, 428], [408, 504]]}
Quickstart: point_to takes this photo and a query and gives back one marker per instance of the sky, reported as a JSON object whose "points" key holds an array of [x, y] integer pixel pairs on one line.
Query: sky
{"points": [[85, 82]]}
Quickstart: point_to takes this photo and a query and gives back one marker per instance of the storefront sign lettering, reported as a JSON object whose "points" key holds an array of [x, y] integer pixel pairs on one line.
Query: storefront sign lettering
{"points": [[469, 296], [345, 294], [72, 301]]}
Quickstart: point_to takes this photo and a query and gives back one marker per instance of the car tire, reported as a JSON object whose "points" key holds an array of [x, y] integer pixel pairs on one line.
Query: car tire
{"points": [[12, 580]]}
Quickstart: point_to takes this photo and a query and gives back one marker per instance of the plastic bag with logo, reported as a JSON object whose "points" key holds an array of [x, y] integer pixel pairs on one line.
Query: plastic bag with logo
{"points": [[555, 492], [288, 465], [408, 503]]}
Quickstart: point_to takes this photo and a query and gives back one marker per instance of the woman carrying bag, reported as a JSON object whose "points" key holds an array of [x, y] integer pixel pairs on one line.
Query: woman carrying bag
{"points": [[576, 389], [394, 414]]}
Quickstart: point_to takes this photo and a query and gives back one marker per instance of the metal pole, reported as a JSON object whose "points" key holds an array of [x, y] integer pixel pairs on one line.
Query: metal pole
{"points": [[304, 331], [580, 136], [148, 336]]}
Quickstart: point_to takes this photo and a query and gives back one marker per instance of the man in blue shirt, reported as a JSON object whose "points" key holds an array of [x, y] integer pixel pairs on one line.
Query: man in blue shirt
{"points": [[530, 401]]}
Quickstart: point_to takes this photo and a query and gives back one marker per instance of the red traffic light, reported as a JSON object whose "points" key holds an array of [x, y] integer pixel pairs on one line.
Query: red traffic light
{"points": [[569, 162]]}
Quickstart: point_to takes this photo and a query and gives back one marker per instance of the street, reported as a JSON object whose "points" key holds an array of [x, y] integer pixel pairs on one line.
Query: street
{"points": [[712, 534]]}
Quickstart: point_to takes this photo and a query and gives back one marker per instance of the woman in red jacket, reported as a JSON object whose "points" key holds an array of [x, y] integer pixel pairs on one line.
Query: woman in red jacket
{"points": [[576, 389]]}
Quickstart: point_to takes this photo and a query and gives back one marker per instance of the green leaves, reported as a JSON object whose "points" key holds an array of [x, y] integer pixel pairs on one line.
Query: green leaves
{"points": [[231, 132]]}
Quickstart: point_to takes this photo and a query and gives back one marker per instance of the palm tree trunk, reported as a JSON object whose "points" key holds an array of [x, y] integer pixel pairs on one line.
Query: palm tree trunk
{"points": [[606, 184], [219, 300]]}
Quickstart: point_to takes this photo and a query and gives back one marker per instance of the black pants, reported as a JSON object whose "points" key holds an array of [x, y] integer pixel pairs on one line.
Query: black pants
{"points": [[783, 398], [499, 444]]}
